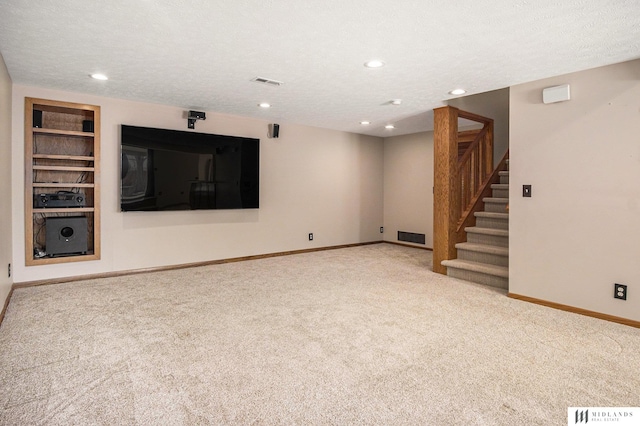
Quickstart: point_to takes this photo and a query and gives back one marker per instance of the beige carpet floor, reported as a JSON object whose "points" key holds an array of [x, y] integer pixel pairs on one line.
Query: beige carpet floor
{"points": [[363, 335]]}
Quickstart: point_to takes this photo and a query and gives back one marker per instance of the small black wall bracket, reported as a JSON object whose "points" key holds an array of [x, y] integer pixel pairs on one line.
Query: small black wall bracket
{"points": [[192, 116]]}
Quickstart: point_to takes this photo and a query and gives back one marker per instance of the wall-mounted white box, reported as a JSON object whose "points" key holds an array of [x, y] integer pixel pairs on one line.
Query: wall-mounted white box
{"points": [[556, 94]]}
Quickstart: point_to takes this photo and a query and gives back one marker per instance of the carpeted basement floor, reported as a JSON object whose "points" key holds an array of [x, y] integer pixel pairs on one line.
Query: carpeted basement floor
{"points": [[363, 335]]}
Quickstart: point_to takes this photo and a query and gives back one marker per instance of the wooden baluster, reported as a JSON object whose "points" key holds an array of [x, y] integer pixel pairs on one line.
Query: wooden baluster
{"points": [[469, 188], [472, 169], [489, 155]]}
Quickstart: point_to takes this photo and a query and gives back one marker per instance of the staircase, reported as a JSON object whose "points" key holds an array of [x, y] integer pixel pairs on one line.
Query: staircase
{"points": [[484, 258]]}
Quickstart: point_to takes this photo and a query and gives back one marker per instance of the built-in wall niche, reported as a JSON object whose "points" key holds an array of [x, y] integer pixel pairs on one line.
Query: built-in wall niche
{"points": [[62, 185]]}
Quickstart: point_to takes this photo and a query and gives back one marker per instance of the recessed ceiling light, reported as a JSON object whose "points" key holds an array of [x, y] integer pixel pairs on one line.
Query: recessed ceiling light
{"points": [[99, 76], [389, 126], [264, 105], [364, 123], [458, 92], [396, 101], [375, 63]]}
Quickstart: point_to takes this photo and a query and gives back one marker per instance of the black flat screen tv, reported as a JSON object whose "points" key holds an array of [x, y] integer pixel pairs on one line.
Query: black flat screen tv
{"points": [[177, 170]]}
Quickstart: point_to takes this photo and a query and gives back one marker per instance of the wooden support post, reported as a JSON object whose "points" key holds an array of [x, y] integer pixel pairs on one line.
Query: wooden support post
{"points": [[446, 191]]}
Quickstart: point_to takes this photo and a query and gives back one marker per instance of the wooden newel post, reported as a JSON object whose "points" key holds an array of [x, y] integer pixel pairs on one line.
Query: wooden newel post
{"points": [[446, 198]]}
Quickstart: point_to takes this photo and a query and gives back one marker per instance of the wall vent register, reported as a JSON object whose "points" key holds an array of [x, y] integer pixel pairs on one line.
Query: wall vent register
{"points": [[411, 237]]}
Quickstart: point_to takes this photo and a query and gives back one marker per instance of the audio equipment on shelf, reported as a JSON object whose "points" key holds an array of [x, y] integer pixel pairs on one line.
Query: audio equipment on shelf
{"points": [[58, 199]]}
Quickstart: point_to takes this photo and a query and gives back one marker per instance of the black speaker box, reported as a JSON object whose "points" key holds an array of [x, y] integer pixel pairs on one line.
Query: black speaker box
{"points": [[66, 235], [37, 118], [275, 130], [87, 126]]}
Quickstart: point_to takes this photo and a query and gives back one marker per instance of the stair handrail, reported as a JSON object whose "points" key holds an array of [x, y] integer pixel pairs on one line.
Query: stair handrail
{"points": [[459, 181]]}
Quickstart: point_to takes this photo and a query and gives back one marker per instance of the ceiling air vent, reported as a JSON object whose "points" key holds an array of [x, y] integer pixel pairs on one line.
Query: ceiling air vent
{"points": [[267, 81]]}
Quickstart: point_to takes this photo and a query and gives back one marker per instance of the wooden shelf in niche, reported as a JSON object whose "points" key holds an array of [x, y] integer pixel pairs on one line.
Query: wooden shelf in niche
{"points": [[62, 185], [64, 210], [61, 159], [64, 168], [38, 130]]}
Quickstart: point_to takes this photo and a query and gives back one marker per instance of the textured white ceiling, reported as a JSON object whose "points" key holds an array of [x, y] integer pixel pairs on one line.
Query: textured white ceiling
{"points": [[202, 54]]}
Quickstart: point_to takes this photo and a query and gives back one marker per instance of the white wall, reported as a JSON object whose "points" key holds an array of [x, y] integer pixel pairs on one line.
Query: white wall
{"points": [[311, 180], [494, 104], [5, 181], [408, 186], [580, 231]]}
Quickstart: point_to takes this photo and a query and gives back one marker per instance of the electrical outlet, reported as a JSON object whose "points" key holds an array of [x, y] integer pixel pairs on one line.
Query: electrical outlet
{"points": [[620, 291], [310, 236], [382, 229]]}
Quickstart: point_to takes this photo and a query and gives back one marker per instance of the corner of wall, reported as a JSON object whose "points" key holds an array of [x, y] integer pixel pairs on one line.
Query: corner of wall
{"points": [[6, 253]]}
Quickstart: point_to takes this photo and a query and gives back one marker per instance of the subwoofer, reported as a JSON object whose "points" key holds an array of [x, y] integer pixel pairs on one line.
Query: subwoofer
{"points": [[66, 235]]}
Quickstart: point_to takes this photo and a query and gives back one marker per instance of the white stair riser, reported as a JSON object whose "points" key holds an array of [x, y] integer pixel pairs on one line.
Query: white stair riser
{"points": [[480, 257], [478, 277], [486, 222], [491, 240]]}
